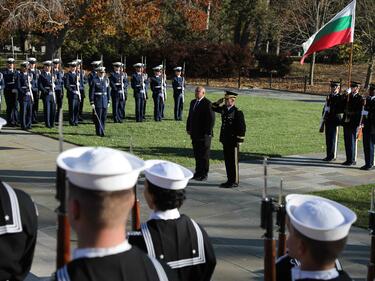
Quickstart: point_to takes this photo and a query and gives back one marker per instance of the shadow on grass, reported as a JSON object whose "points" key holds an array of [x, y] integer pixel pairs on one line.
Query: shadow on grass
{"points": [[31, 177]]}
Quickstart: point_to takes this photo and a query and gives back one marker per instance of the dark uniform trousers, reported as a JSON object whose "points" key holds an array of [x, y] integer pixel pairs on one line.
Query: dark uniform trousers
{"points": [[10, 95], [74, 103], [369, 132], [351, 119], [178, 106], [36, 94], [49, 99], [231, 154], [157, 96], [331, 133], [332, 122], [59, 101], [139, 96], [25, 100], [99, 96]]}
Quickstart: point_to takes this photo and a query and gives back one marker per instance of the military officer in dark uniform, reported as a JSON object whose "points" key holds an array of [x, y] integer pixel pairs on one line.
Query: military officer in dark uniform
{"points": [[157, 92], [352, 104], [18, 233], [72, 84], [369, 129], [48, 94], [1, 88], [232, 134], [59, 85], [332, 120], [100, 99], [138, 84], [101, 196], [25, 95], [10, 93], [169, 236], [178, 84], [82, 82], [35, 87], [199, 126], [119, 82], [314, 242], [95, 64]]}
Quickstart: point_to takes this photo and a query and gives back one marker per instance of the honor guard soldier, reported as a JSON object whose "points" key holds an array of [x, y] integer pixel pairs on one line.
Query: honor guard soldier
{"points": [[178, 84], [72, 84], [232, 134], [332, 120], [58, 73], [25, 95], [318, 229], [369, 129], [48, 94], [95, 64], [119, 83], [18, 233], [1, 88], [157, 92], [138, 84], [101, 196], [82, 82], [352, 103], [35, 87], [10, 93], [169, 236], [100, 99], [146, 79]]}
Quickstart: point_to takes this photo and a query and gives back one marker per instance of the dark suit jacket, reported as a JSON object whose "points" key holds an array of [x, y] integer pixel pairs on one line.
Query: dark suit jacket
{"points": [[201, 120]]}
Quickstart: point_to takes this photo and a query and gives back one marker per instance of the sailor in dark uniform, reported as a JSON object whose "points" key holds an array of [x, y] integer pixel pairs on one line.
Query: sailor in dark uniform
{"points": [[157, 92], [72, 84], [169, 236], [82, 82], [59, 85], [119, 82], [35, 87], [18, 233], [138, 84], [100, 99], [25, 95], [332, 120], [316, 238], [178, 84], [369, 129], [48, 94], [10, 93], [232, 135], [352, 103], [100, 199]]}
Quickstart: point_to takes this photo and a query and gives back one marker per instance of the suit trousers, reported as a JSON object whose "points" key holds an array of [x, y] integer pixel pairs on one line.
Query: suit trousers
{"points": [[201, 149]]}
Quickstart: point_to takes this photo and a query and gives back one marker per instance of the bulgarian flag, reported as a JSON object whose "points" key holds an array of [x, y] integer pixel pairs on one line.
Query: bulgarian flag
{"points": [[338, 31]]}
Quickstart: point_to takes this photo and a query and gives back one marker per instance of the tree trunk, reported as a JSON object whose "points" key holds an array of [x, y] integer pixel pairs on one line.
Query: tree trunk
{"points": [[53, 44], [278, 46], [370, 70]]}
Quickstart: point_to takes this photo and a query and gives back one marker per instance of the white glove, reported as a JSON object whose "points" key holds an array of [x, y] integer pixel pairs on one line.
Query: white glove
{"points": [[93, 106], [142, 91], [364, 112], [327, 109], [77, 92], [348, 91]]}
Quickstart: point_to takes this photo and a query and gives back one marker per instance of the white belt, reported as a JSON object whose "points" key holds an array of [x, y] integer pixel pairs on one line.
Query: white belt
{"points": [[158, 87], [99, 94], [117, 83]]}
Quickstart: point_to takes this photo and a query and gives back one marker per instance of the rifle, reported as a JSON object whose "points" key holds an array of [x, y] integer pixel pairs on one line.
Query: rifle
{"points": [[78, 84], [183, 82], [122, 80], [29, 78], [164, 81], [143, 78], [371, 265], [53, 82], [323, 119], [266, 222], [360, 125], [136, 210], [280, 222], [63, 226]]}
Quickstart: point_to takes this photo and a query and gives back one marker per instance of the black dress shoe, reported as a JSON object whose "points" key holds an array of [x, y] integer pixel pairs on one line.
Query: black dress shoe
{"points": [[229, 185], [327, 159], [367, 168], [200, 178], [348, 163]]}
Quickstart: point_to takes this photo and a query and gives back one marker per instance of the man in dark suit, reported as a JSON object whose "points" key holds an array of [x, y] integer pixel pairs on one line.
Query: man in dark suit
{"points": [[199, 125], [369, 129]]}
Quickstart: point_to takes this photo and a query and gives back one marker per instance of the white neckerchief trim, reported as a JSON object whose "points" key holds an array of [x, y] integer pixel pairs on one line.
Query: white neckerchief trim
{"points": [[165, 215], [16, 215], [201, 258], [62, 274], [298, 274], [101, 252], [228, 108], [159, 269]]}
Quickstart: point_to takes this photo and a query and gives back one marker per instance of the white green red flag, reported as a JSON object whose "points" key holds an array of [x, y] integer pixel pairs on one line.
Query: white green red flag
{"points": [[339, 30]]}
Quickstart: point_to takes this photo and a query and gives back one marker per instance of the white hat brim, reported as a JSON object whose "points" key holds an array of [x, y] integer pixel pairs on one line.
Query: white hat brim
{"points": [[3, 122]]}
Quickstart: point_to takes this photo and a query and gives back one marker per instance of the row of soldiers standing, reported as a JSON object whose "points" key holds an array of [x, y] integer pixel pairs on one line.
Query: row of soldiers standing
{"points": [[356, 114], [27, 86]]}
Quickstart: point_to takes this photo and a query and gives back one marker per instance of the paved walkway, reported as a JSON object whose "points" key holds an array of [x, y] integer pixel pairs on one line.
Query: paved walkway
{"points": [[231, 217]]}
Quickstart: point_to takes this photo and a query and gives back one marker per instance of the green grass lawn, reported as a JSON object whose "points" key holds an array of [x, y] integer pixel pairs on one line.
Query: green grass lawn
{"points": [[356, 198], [274, 127]]}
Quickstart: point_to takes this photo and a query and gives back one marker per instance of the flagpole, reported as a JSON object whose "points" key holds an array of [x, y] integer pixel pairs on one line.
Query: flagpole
{"points": [[350, 64]]}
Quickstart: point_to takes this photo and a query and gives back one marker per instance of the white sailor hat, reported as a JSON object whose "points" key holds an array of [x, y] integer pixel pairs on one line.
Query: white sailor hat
{"points": [[78, 61], [138, 64], [56, 61], [100, 168], [47, 62], [32, 60], [117, 64], [100, 69], [319, 218], [177, 68], [157, 68], [24, 63], [96, 62], [167, 175], [10, 60]]}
